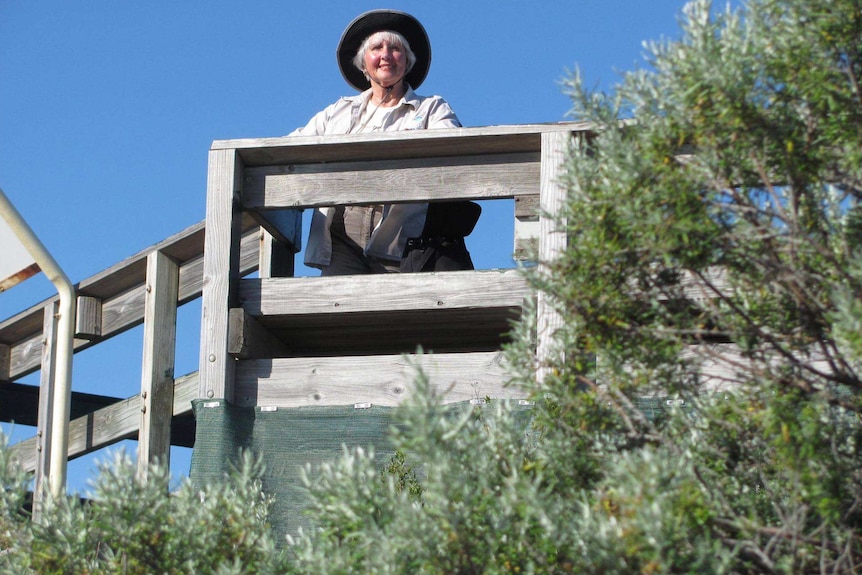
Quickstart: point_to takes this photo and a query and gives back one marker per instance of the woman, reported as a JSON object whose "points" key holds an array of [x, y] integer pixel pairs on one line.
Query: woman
{"points": [[384, 54]]}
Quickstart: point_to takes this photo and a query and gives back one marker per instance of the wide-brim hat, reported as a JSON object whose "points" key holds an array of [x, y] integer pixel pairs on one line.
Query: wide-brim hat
{"points": [[375, 21]]}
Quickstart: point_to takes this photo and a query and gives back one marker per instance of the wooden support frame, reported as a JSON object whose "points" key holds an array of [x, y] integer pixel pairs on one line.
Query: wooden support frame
{"points": [[251, 182], [247, 339], [42, 445], [88, 319], [157, 375], [113, 423], [5, 360], [274, 175], [552, 239], [121, 290], [276, 257], [375, 380], [221, 272]]}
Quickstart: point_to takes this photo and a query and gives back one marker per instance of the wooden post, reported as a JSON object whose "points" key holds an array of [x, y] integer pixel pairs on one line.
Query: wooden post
{"points": [[221, 272], [276, 257], [552, 237], [46, 391], [88, 319], [5, 362], [157, 372]]}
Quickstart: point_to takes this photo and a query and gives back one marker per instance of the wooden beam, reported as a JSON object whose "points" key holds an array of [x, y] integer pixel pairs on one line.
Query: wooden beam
{"points": [[221, 272], [276, 257], [367, 182], [394, 145], [378, 380], [526, 240], [527, 207], [157, 373], [552, 239], [42, 447], [5, 361], [390, 292], [20, 403], [248, 339], [88, 321], [126, 309], [284, 225], [526, 227], [113, 423]]}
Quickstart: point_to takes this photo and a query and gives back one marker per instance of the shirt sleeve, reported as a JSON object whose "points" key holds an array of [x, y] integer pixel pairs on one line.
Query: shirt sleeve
{"points": [[441, 115], [315, 127]]}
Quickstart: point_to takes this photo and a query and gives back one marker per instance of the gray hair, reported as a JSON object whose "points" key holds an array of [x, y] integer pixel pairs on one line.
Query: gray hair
{"points": [[392, 38]]}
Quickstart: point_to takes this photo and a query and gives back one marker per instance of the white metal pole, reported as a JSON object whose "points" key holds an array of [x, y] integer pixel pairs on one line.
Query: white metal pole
{"points": [[58, 434]]}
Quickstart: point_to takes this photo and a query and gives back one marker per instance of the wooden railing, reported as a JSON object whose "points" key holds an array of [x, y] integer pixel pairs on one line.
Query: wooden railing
{"points": [[109, 304], [341, 340], [288, 341]]}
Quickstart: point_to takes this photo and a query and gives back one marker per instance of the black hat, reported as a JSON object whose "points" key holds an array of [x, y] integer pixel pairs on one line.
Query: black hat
{"points": [[375, 21]]}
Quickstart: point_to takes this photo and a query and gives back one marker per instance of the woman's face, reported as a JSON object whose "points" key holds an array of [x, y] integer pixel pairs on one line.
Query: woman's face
{"points": [[385, 63]]}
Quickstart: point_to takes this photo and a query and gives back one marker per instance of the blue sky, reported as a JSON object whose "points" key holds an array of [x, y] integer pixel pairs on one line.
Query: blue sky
{"points": [[108, 108]]}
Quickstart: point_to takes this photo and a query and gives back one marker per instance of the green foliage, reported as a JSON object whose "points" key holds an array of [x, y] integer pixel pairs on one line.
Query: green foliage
{"points": [[129, 526], [714, 263]]}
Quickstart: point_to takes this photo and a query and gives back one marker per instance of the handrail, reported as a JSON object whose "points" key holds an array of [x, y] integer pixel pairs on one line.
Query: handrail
{"points": [[119, 293], [61, 384]]}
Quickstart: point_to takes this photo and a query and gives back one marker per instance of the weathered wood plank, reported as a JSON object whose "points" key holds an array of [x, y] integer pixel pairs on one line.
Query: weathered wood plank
{"points": [[126, 310], [276, 257], [185, 391], [527, 207], [552, 238], [221, 272], [283, 225], [5, 361], [526, 240], [526, 227], [248, 339], [109, 425], [383, 314], [45, 413], [391, 145], [157, 372], [391, 292], [88, 319], [462, 177], [722, 367], [20, 404], [379, 380]]}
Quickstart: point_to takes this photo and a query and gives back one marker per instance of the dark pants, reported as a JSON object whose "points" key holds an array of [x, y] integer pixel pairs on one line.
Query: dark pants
{"points": [[436, 255], [441, 247]]}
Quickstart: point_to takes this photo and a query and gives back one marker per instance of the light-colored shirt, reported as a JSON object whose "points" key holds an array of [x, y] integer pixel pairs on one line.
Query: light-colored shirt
{"points": [[400, 221]]}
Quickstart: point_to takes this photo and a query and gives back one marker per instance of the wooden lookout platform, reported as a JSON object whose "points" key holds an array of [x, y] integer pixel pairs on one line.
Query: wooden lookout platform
{"points": [[271, 339]]}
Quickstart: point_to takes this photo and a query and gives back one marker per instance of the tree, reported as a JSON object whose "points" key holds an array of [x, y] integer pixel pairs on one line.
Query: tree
{"points": [[703, 413], [129, 526]]}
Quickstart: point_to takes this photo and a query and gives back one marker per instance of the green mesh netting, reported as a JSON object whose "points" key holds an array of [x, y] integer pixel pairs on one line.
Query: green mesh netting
{"points": [[289, 438], [285, 439]]}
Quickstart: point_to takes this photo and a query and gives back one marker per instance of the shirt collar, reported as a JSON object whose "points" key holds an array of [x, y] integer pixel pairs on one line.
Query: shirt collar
{"points": [[409, 97]]}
